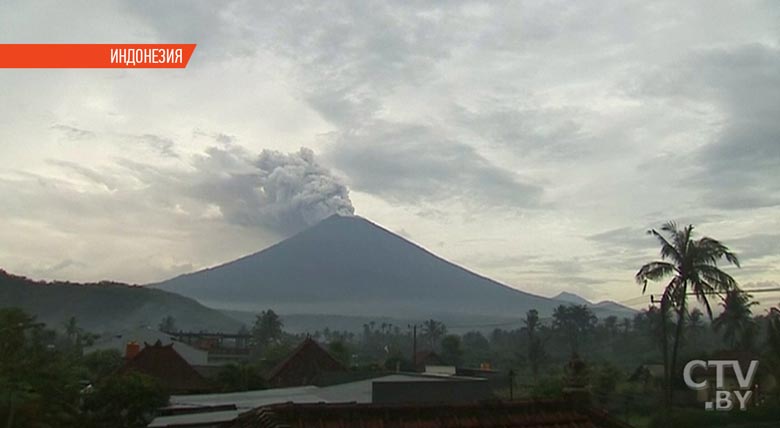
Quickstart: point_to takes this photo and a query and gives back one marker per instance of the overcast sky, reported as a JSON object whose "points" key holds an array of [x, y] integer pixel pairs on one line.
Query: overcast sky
{"points": [[533, 142]]}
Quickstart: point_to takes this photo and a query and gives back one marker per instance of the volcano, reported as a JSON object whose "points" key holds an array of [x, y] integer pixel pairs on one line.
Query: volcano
{"points": [[348, 265]]}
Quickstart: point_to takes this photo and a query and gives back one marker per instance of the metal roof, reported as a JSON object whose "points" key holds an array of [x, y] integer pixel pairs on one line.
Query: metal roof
{"points": [[355, 392], [496, 414]]}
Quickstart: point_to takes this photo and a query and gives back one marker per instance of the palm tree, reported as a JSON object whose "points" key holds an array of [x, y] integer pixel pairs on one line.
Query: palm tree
{"points": [[531, 322], [626, 325], [267, 329], [651, 324], [736, 320], [611, 325], [167, 325], [695, 325], [574, 322], [772, 354], [433, 330], [535, 345], [693, 267], [73, 331]]}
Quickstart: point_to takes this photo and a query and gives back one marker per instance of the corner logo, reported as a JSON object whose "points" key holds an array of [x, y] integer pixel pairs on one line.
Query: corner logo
{"points": [[723, 399]]}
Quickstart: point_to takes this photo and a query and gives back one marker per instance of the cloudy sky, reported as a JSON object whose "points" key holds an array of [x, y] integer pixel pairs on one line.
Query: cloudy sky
{"points": [[533, 142]]}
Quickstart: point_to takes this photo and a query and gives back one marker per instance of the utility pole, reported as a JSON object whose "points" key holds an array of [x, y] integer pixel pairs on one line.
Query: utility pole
{"points": [[414, 346], [665, 351], [511, 385]]}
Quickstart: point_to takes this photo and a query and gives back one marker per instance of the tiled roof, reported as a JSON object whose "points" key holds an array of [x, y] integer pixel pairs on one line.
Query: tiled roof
{"points": [[119, 340], [303, 365], [516, 414], [165, 364]]}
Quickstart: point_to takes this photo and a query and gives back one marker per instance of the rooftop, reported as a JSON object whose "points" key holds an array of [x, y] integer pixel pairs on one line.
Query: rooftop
{"points": [[120, 339], [516, 414], [165, 364], [358, 392], [352, 392]]}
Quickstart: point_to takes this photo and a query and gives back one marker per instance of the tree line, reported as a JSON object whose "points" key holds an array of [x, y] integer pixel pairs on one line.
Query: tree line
{"points": [[46, 380]]}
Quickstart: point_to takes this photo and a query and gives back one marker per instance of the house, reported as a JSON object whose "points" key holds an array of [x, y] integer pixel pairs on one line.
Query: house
{"points": [[222, 348], [427, 358], [513, 414], [163, 363], [119, 340], [304, 366]]}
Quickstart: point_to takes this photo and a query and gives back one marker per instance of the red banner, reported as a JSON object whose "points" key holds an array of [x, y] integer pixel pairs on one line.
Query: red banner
{"points": [[95, 55]]}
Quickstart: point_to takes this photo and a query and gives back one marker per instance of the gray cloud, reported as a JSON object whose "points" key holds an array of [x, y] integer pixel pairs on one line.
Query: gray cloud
{"points": [[217, 205], [73, 133], [632, 237], [762, 284], [57, 268], [413, 163], [756, 246], [637, 238], [735, 170], [282, 192], [536, 133], [345, 63], [164, 146], [89, 174]]}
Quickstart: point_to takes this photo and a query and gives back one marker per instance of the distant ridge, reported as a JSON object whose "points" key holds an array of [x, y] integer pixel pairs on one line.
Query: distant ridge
{"points": [[604, 306], [107, 306], [350, 266], [612, 306], [572, 298]]}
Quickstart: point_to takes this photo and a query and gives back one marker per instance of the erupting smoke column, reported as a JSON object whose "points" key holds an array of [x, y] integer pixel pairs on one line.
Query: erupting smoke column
{"points": [[297, 192]]}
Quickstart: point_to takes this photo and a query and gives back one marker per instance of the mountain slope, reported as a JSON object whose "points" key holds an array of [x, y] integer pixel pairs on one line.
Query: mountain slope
{"points": [[608, 305], [572, 298], [350, 266], [604, 308], [107, 306]]}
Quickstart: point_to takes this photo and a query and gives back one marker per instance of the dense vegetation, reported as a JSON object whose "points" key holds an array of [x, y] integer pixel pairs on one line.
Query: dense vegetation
{"points": [[107, 306], [537, 350], [45, 380]]}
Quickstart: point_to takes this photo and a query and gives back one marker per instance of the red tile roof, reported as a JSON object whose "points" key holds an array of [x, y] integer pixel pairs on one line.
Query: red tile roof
{"points": [[166, 365], [302, 367], [516, 414]]}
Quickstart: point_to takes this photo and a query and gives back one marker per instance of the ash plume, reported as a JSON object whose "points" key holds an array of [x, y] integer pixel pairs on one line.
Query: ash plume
{"points": [[296, 192]]}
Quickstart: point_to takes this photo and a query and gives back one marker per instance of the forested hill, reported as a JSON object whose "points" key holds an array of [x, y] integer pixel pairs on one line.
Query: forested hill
{"points": [[107, 306]]}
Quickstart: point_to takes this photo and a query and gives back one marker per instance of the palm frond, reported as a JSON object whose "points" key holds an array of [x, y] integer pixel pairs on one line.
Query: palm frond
{"points": [[702, 290], [668, 251], [667, 298], [713, 250], [720, 281], [669, 227], [653, 271]]}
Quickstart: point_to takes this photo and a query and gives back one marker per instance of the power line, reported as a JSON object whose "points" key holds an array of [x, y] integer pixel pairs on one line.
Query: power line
{"points": [[762, 290], [634, 300], [640, 299]]}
